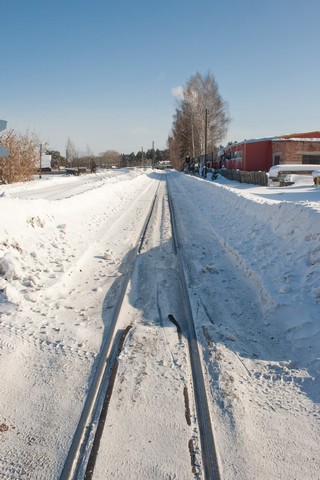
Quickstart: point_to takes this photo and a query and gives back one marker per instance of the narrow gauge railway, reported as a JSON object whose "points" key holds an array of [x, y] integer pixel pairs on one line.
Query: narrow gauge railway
{"points": [[84, 451]]}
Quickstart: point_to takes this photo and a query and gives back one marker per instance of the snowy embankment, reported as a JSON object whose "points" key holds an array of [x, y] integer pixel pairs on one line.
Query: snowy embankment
{"points": [[282, 252], [276, 242], [47, 228], [253, 267], [61, 245]]}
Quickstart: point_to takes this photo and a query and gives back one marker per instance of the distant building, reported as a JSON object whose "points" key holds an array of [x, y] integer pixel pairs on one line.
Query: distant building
{"points": [[262, 154], [46, 163]]}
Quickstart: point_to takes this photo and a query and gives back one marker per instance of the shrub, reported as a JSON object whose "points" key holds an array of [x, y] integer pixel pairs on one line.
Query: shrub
{"points": [[21, 162]]}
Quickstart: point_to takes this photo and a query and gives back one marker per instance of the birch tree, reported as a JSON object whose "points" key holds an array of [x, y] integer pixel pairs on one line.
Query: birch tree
{"points": [[201, 103], [71, 152]]}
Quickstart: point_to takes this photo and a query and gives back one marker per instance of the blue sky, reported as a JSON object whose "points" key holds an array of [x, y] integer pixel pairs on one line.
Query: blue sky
{"points": [[101, 72]]}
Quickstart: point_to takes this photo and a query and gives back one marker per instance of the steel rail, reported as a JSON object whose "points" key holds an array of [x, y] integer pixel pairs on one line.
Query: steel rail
{"points": [[208, 447], [74, 466]]}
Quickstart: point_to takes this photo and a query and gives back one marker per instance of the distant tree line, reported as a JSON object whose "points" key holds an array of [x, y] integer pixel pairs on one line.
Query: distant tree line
{"points": [[24, 151], [114, 159], [200, 121]]}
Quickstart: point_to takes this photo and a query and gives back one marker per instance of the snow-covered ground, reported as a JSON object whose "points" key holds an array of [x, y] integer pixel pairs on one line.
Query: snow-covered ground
{"points": [[252, 257]]}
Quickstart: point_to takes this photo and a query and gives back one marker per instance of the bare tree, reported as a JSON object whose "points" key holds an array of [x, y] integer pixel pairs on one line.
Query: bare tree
{"points": [[201, 118], [23, 158], [109, 158], [72, 153]]}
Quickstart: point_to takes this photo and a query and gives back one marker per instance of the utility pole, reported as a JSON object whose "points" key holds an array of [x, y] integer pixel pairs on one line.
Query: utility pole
{"points": [[205, 143], [205, 138], [152, 160], [40, 160]]}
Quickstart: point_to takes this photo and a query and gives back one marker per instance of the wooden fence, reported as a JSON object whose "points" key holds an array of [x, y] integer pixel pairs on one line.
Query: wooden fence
{"points": [[257, 178]]}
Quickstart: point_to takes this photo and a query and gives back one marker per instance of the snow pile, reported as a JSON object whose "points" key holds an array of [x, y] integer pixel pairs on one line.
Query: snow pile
{"points": [[41, 240], [273, 234]]}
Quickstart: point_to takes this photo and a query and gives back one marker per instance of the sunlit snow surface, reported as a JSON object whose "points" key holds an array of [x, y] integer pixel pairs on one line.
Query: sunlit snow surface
{"points": [[253, 258]]}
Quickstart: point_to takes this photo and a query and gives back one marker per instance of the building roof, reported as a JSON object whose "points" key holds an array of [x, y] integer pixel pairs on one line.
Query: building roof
{"points": [[304, 135]]}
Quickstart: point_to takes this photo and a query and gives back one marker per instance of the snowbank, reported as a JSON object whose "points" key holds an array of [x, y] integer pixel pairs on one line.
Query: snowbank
{"points": [[253, 257]]}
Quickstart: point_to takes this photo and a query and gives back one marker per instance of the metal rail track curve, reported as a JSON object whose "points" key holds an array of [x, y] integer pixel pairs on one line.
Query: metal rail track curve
{"points": [[75, 464], [78, 457], [208, 448]]}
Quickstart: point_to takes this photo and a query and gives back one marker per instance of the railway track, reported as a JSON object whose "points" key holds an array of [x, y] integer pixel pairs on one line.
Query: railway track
{"points": [[208, 448], [80, 461]]}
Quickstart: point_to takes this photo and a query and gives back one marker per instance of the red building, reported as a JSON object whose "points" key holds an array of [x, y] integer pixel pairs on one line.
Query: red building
{"points": [[262, 154]]}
